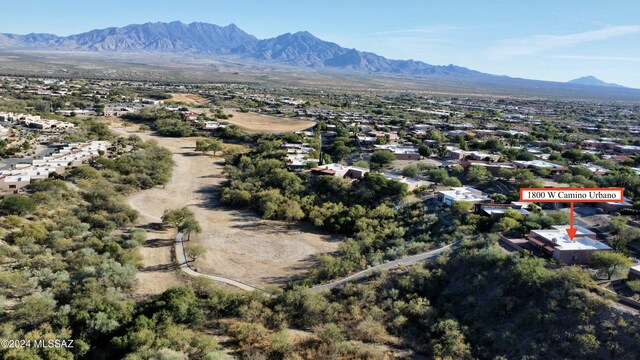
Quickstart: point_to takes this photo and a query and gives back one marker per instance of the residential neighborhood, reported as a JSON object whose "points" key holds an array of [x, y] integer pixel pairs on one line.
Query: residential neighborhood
{"points": [[375, 180]]}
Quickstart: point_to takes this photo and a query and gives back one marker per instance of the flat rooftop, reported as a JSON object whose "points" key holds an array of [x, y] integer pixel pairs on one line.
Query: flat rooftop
{"points": [[538, 163], [491, 210], [465, 194]]}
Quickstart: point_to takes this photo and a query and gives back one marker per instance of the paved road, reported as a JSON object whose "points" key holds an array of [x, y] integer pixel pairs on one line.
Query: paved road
{"points": [[387, 266]]}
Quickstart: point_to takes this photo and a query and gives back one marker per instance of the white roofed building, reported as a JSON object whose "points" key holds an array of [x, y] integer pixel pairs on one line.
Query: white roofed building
{"points": [[464, 193]]}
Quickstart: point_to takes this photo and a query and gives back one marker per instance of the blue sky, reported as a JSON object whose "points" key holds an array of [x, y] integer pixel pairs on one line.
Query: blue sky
{"points": [[549, 40]]}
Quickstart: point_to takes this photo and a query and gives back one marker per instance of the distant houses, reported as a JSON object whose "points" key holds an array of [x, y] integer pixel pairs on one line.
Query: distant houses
{"points": [[151, 102], [35, 121], [72, 155], [297, 155], [627, 149]]}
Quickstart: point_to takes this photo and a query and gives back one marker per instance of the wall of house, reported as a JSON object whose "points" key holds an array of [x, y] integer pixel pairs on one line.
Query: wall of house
{"points": [[572, 256], [612, 208], [408, 156], [12, 186]]}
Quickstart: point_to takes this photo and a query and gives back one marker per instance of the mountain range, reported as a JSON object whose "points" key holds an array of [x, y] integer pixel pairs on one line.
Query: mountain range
{"points": [[299, 51]]}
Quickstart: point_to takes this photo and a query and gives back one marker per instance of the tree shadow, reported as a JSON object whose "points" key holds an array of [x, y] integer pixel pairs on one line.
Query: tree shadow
{"points": [[301, 268], [160, 268], [214, 176], [190, 154], [152, 226], [158, 243]]}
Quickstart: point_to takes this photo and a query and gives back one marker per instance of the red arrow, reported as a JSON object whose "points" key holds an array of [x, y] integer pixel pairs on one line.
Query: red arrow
{"points": [[571, 231]]}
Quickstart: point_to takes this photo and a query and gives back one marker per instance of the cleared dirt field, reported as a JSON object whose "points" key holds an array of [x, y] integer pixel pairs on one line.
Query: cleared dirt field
{"points": [[188, 99], [241, 246], [257, 123]]}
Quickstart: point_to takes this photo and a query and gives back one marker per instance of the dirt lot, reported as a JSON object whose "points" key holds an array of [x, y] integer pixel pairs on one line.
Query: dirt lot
{"points": [[188, 99], [241, 246], [258, 123]]}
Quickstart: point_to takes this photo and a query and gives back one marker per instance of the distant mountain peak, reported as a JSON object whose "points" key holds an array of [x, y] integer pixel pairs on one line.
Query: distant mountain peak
{"points": [[592, 80], [303, 34]]}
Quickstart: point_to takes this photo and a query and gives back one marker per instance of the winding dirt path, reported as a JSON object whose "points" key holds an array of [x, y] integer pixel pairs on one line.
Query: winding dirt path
{"points": [[240, 245]]}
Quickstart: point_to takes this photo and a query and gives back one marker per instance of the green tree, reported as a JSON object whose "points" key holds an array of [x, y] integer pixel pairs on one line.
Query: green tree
{"points": [[634, 285], [35, 309], [290, 211], [478, 174], [461, 207], [499, 198], [442, 151], [17, 205], [424, 150], [449, 342], [181, 219], [411, 171], [99, 109], [506, 224], [436, 135], [525, 155], [206, 145], [190, 225], [609, 263], [194, 251], [381, 158], [438, 175], [202, 145], [451, 181]]}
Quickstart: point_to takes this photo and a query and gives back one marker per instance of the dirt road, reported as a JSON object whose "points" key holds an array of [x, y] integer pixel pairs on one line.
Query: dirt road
{"points": [[240, 245]]}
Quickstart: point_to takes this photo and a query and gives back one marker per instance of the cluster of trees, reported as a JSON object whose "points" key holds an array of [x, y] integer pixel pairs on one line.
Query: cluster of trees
{"points": [[342, 145], [441, 176], [366, 210], [513, 221], [9, 151], [69, 259], [64, 269], [145, 166], [477, 302], [165, 122], [623, 233], [17, 205], [206, 145], [415, 170], [518, 305], [89, 129]]}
